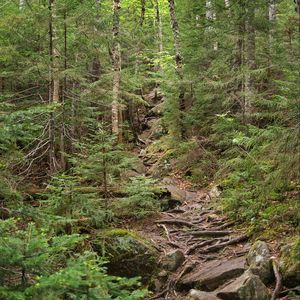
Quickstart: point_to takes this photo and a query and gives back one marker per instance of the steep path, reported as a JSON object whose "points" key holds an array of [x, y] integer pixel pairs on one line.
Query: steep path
{"points": [[193, 238]]}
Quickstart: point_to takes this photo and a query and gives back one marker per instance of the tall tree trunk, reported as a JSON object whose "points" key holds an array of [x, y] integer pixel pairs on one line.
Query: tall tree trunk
{"points": [[210, 16], [159, 27], [21, 4], [116, 58], [250, 63], [62, 132], [54, 84], [143, 11], [179, 64]]}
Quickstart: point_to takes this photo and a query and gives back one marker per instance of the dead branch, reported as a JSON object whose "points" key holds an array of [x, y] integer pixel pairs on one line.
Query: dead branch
{"points": [[278, 277]]}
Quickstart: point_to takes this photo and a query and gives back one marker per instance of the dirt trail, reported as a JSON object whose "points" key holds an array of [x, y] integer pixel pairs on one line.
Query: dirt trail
{"points": [[197, 230], [202, 233]]}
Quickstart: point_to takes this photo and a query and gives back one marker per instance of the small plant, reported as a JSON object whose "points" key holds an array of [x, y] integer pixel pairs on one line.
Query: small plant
{"points": [[85, 277], [141, 200]]}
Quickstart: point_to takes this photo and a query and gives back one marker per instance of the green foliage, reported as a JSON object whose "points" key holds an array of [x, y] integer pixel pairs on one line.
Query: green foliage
{"points": [[68, 204], [141, 198], [27, 253], [85, 277]]}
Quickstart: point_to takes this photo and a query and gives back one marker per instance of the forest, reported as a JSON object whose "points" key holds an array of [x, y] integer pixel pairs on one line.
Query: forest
{"points": [[149, 149]]}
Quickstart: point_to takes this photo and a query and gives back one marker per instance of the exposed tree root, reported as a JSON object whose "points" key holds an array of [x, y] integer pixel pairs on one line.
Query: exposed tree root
{"points": [[278, 279]]}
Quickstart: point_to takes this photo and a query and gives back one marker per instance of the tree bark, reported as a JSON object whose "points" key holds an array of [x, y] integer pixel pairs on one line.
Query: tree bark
{"points": [[116, 58], [53, 85], [179, 64], [210, 16], [62, 132], [250, 63], [21, 4], [159, 27], [143, 11]]}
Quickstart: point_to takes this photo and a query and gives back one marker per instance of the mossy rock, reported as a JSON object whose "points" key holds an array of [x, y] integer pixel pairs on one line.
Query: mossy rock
{"points": [[129, 254], [290, 264]]}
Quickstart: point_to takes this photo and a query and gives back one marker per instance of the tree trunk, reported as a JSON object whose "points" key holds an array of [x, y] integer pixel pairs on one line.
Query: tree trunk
{"points": [[62, 132], [250, 63], [159, 27], [116, 58], [53, 86], [21, 4], [210, 16], [143, 10], [179, 64]]}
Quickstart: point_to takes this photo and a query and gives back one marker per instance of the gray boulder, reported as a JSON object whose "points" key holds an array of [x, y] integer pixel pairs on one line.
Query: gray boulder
{"points": [[200, 295], [214, 274], [129, 254], [246, 287], [259, 261], [173, 260]]}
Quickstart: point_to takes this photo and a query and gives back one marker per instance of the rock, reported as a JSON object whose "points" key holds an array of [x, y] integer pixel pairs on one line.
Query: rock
{"points": [[289, 265], [214, 274], [130, 173], [129, 254], [176, 193], [160, 281], [191, 196], [139, 167], [156, 111], [214, 193], [246, 287], [259, 261], [173, 260], [199, 295], [159, 169]]}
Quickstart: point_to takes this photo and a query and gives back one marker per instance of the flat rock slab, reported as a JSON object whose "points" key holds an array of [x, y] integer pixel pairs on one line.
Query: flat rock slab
{"points": [[246, 287], [199, 295], [214, 274]]}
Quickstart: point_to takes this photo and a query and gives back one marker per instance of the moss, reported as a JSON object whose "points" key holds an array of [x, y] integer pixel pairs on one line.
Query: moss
{"points": [[128, 253], [290, 264]]}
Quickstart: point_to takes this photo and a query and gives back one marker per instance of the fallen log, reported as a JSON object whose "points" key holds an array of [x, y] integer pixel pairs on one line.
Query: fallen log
{"points": [[224, 244]]}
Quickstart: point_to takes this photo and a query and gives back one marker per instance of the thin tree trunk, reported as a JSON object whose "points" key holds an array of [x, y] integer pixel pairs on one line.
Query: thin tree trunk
{"points": [[211, 17], [250, 63], [21, 4], [143, 11], [159, 27], [62, 133], [53, 86], [116, 58], [179, 64]]}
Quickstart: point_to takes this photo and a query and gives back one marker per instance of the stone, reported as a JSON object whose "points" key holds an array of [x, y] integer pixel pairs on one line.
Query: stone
{"points": [[214, 193], [259, 261], [214, 274], [289, 265], [246, 287], [176, 193], [173, 260], [139, 167], [129, 254], [200, 295]]}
